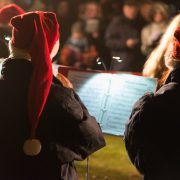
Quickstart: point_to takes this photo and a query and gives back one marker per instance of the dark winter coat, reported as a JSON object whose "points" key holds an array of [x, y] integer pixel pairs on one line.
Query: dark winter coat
{"points": [[118, 32], [66, 129], [153, 131]]}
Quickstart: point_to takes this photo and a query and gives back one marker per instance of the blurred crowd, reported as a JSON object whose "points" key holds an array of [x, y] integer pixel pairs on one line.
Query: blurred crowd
{"points": [[107, 30]]}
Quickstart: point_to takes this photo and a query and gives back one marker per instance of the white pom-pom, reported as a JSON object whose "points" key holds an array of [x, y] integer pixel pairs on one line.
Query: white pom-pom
{"points": [[32, 147]]}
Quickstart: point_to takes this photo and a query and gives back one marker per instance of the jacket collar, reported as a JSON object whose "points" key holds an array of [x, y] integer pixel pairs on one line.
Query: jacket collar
{"points": [[19, 70], [16, 70], [17, 53], [174, 75]]}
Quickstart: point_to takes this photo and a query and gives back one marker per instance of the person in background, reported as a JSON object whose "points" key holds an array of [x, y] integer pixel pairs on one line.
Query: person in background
{"points": [[6, 13], [94, 26], [65, 19], [145, 11], [91, 18], [155, 65], [152, 32], [78, 51], [110, 9], [9, 11], [44, 126], [123, 39], [152, 132]]}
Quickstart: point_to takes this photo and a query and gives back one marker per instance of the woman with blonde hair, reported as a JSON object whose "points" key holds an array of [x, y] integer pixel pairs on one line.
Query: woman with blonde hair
{"points": [[155, 64], [151, 33], [152, 133]]}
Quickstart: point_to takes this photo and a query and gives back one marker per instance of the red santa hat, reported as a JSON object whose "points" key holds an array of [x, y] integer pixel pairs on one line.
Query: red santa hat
{"points": [[37, 33], [9, 11], [176, 44]]}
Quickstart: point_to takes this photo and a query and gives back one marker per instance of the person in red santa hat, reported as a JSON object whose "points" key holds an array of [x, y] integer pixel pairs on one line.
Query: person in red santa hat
{"points": [[9, 11], [6, 13], [44, 126], [153, 131]]}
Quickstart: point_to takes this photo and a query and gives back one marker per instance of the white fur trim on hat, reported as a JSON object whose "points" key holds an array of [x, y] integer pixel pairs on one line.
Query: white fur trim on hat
{"points": [[17, 53], [55, 49]]}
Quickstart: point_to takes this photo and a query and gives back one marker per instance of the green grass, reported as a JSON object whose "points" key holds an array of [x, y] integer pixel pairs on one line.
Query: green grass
{"points": [[110, 163]]}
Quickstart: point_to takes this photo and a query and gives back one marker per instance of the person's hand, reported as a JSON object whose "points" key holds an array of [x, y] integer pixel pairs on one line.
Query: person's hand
{"points": [[131, 43], [66, 83]]}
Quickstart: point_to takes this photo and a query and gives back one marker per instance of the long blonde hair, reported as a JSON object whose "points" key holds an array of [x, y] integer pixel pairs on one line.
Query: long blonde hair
{"points": [[155, 66]]}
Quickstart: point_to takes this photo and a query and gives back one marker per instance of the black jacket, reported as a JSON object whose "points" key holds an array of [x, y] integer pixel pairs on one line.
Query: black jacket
{"points": [[118, 32], [66, 129], [153, 131]]}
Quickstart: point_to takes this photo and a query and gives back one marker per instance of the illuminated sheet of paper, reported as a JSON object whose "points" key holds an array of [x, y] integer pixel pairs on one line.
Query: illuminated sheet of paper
{"points": [[110, 97], [125, 90], [91, 87]]}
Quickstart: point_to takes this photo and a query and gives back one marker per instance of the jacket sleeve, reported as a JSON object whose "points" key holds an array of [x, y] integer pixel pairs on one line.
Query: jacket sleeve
{"points": [[138, 133], [78, 134], [114, 38], [90, 132]]}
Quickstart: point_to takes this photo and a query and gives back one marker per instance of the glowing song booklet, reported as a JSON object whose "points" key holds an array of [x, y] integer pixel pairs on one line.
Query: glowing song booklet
{"points": [[110, 97]]}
